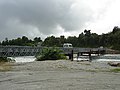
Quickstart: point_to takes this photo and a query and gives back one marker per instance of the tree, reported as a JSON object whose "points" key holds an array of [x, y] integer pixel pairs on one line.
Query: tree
{"points": [[73, 40], [80, 40], [24, 39], [37, 39], [115, 29], [87, 32], [62, 40], [51, 41], [5, 42]]}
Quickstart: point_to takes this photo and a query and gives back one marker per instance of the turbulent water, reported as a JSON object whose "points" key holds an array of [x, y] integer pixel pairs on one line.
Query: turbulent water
{"points": [[24, 59], [107, 57]]}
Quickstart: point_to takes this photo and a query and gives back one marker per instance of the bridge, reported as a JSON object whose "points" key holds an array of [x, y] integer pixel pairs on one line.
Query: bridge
{"points": [[14, 51]]}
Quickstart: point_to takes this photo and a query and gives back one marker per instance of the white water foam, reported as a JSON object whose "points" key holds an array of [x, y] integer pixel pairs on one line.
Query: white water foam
{"points": [[23, 59]]}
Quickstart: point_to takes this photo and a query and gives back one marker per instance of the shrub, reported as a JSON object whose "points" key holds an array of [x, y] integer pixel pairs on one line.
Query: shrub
{"points": [[53, 53], [5, 59]]}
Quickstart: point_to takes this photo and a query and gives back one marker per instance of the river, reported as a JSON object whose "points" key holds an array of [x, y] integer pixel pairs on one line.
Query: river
{"points": [[107, 57]]}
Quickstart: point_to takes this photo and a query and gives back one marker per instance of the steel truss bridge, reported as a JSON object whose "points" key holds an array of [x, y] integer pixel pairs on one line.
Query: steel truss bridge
{"points": [[11, 51], [14, 51]]}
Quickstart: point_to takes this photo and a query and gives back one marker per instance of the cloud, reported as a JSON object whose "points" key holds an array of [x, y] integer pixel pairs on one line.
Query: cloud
{"points": [[106, 18], [49, 17]]}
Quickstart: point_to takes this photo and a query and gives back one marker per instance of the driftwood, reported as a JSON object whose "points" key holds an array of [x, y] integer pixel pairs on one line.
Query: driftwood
{"points": [[111, 51], [115, 64]]}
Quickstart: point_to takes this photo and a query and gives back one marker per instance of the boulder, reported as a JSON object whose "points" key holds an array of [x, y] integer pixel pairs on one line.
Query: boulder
{"points": [[115, 64]]}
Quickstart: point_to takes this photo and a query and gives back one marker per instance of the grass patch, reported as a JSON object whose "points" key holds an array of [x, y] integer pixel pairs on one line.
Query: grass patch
{"points": [[5, 66], [115, 70]]}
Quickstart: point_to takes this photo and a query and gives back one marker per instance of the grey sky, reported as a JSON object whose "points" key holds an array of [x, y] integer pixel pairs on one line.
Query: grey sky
{"points": [[56, 17]]}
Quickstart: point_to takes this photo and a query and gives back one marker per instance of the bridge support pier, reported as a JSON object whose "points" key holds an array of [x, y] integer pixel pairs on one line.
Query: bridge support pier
{"points": [[72, 55]]}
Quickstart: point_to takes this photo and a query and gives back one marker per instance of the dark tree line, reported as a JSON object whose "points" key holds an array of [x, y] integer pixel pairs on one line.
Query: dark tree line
{"points": [[85, 39], [23, 41]]}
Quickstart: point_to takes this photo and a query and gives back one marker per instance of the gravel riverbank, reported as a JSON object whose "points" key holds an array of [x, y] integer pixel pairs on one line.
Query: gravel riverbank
{"points": [[60, 75]]}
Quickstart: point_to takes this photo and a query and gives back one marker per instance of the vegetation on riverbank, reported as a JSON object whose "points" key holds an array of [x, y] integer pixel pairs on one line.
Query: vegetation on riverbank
{"points": [[5, 59], [50, 54]]}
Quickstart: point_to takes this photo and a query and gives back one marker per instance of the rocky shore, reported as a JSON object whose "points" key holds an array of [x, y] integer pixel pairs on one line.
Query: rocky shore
{"points": [[111, 51], [60, 75]]}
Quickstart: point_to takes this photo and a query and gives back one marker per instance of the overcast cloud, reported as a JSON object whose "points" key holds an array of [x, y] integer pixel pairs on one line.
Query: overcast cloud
{"points": [[56, 17]]}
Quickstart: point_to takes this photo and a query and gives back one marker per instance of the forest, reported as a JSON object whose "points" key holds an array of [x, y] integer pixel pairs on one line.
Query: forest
{"points": [[85, 39]]}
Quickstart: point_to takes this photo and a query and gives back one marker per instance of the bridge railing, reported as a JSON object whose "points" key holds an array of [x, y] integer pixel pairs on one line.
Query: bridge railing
{"points": [[18, 51]]}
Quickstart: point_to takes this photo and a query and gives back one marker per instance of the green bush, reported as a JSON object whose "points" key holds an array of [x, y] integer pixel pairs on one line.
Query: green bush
{"points": [[5, 59], [53, 53]]}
